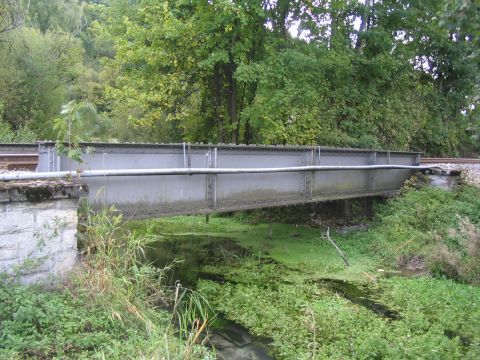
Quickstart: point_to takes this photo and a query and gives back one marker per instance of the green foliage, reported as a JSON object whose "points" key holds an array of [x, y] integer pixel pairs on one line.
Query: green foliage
{"points": [[457, 256], [393, 74], [277, 308], [73, 323], [283, 299], [36, 69], [430, 223], [109, 308], [231, 72], [135, 289], [44, 66], [432, 209], [280, 288], [22, 135], [192, 313], [457, 16], [79, 122], [57, 323], [7, 135], [55, 15]]}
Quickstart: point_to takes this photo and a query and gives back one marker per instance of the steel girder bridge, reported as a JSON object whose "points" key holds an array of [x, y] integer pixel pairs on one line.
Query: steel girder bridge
{"points": [[146, 180]]}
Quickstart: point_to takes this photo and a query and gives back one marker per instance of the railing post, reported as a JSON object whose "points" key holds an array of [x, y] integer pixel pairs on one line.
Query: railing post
{"points": [[211, 191], [187, 156], [53, 159], [307, 176], [371, 173]]}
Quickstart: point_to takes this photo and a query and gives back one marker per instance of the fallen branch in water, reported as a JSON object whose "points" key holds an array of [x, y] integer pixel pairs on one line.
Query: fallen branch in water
{"points": [[369, 277], [327, 236]]}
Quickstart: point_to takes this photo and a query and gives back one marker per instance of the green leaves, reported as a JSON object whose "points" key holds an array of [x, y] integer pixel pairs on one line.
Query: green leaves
{"points": [[226, 71], [35, 70], [393, 74]]}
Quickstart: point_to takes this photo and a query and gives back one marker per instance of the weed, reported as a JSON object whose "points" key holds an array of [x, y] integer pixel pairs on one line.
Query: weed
{"points": [[458, 255], [280, 299], [191, 313], [109, 308], [411, 224]]}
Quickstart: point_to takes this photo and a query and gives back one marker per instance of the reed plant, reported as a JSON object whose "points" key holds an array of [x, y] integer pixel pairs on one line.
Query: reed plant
{"points": [[137, 293]]}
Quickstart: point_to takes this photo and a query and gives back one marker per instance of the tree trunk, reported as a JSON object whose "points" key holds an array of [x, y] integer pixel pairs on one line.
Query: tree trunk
{"points": [[247, 135], [333, 28], [218, 105], [363, 23], [283, 10], [232, 101]]}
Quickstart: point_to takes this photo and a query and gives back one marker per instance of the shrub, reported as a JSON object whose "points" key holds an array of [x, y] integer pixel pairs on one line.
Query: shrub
{"points": [[457, 256], [112, 307]]}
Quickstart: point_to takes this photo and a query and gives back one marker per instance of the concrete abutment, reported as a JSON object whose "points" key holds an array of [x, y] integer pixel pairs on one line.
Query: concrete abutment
{"points": [[38, 229]]}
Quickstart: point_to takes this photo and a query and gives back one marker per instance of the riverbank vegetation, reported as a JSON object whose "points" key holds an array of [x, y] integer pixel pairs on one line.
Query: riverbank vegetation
{"points": [[392, 74], [113, 306], [399, 75], [410, 290], [406, 293]]}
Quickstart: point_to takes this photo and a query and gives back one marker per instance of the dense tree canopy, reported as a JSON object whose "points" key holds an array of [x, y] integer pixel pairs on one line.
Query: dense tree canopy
{"points": [[398, 74]]}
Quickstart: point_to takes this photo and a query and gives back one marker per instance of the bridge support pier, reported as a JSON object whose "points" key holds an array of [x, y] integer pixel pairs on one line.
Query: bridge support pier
{"points": [[347, 210], [38, 229]]}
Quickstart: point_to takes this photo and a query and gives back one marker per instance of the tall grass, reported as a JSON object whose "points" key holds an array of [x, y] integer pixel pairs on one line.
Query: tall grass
{"points": [[438, 227], [457, 256], [136, 293], [113, 264], [191, 313], [114, 306]]}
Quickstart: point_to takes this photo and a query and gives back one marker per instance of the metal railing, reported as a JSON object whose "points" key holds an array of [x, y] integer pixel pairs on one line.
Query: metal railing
{"points": [[10, 176]]}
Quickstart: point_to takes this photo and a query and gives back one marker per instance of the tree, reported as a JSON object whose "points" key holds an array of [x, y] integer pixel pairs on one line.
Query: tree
{"points": [[443, 59], [398, 74], [461, 17], [12, 15], [42, 64], [188, 59], [55, 15]]}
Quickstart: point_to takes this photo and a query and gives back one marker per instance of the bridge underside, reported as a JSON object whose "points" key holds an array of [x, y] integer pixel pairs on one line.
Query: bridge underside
{"points": [[162, 195]]}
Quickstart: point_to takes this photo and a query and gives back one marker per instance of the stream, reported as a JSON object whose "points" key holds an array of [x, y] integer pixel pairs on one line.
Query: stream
{"points": [[230, 340]]}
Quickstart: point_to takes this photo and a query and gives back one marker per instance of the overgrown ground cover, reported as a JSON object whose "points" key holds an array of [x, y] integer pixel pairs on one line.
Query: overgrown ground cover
{"points": [[75, 323], [292, 288], [295, 289], [112, 307]]}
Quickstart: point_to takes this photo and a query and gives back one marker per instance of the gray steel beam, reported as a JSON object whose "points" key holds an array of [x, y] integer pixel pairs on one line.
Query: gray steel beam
{"points": [[227, 177]]}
